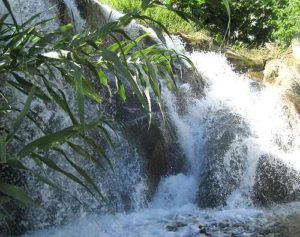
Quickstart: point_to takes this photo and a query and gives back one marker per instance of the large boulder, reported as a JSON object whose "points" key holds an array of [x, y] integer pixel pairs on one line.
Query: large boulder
{"points": [[285, 73], [157, 142], [275, 182], [223, 159]]}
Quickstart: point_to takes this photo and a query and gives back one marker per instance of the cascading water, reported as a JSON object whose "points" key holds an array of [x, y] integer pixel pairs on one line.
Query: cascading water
{"points": [[256, 122], [225, 136]]}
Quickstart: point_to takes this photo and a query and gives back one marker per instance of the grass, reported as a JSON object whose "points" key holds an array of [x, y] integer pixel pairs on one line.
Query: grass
{"points": [[173, 22]]}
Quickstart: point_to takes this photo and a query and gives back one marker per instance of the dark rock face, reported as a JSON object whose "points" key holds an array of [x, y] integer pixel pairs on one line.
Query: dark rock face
{"points": [[91, 11], [62, 11], [275, 182], [157, 143], [223, 163]]}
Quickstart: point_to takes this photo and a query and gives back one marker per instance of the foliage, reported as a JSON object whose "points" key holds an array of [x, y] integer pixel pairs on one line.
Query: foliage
{"points": [[252, 22], [35, 63], [172, 21], [287, 21]]}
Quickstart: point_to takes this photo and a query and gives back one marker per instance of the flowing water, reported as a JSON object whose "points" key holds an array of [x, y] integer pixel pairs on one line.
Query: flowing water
{"points": [[173, 210], [224, 136]]}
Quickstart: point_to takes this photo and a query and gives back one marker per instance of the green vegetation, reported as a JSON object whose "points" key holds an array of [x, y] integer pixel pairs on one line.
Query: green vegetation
{"points": [[173, 22], [251, 22], [36, 63], [287, 21]]}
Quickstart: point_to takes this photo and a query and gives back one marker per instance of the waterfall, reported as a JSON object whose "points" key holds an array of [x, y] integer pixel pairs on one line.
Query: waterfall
{"points": [[254, 119], [230, 138], [233, 126]]}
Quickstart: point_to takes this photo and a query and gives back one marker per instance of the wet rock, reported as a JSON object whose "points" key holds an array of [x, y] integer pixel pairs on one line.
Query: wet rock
{"points": [[175, 226], [157, 143], [62, 11], [275, 182], [163, 156], [202, 229], [223, 156], [289, 226], [92, 12]]}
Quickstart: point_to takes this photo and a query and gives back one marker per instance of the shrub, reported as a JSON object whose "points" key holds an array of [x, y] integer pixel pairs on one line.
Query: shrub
{"points": [[252, 22], [287, 21]]}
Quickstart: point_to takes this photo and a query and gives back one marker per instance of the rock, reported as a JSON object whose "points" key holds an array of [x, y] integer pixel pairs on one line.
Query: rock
{"points": [[296, 49], [175, 226], [157, 143], [273, 71], [92, 12], [293, 96], [255, 75], [285, 74], [202, 229], [242, 62], [289, 226], [197, 40], [62, 10], [281, 72], [222, 159], [163, 155], [275, 182]]}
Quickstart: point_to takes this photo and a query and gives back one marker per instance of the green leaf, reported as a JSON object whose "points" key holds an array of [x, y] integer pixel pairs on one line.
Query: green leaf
{"points": [[7, 5], [49, 140], [25, 87], [102, 78], [17, 164], [98, 149], [124, 72], [134, 43], [3, 149], [21, 116], [77, 73], [159, 34], [60, 99], [51, 164], [121, 90], [14, 192], [56, 138], [83, 173]]}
